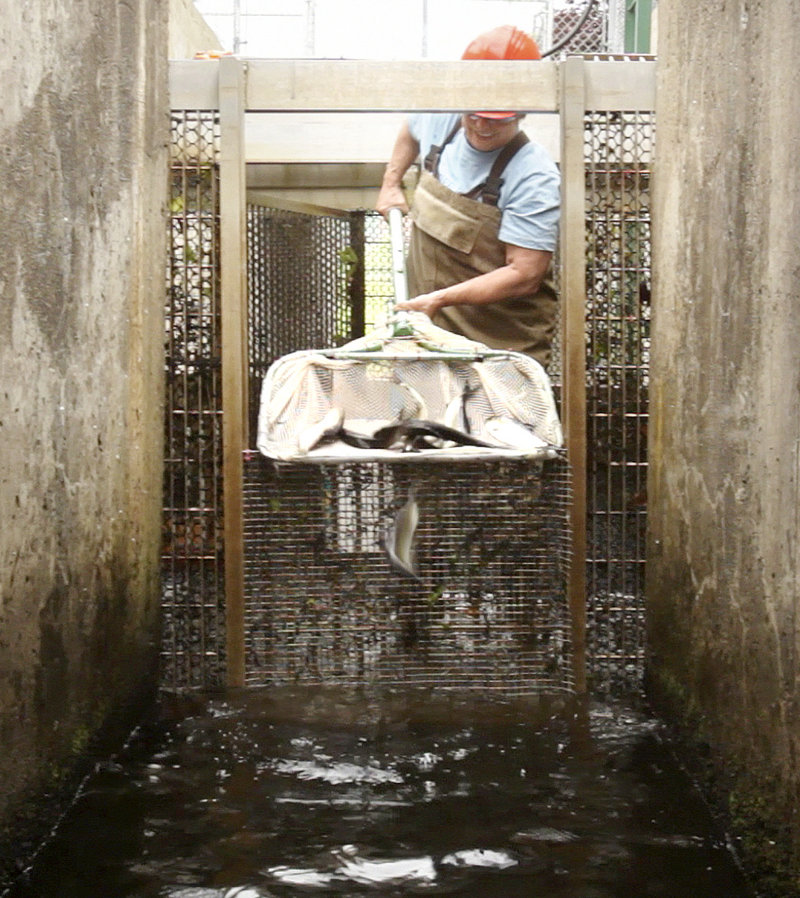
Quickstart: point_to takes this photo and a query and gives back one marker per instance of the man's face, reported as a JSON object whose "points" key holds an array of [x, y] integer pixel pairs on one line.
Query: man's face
{"points": [[489, 134]]}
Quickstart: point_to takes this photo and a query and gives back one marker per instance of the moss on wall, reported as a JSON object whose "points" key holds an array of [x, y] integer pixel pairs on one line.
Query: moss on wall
{"points": [[723, 549], [82, 260]]}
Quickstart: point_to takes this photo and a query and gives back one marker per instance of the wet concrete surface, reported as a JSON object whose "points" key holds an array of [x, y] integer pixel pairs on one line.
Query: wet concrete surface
{"points": [[291, 792]]}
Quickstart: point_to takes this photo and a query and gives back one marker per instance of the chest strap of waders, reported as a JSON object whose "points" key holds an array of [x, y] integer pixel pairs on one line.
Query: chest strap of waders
{"points": [[489, 191]]}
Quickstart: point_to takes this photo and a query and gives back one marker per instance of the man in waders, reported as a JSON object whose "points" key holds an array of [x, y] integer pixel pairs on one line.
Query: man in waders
{"points": [[485, 217]]}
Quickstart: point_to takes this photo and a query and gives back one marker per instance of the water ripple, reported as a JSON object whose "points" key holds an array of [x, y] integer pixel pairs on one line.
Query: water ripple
{"points": [[334, 774]]}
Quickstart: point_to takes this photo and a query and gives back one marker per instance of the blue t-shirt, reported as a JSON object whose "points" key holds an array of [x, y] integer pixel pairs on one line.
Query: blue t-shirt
{"points": [[530, 196]]}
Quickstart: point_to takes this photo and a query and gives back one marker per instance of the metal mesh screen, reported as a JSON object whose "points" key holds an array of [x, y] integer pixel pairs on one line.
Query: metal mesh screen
{"points": [[593, 34], [304, 277], [378, 278], [317, 282], [193, 597], [324, 606], [618, 154]]}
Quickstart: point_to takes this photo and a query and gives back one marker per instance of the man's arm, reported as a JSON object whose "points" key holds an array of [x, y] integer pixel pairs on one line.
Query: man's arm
{"points": [[406, 150], [522, 275]]}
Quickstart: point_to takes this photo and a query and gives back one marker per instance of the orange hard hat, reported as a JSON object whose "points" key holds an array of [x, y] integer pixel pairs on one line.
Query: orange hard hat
{"points": [[503, 42], [211, 54]]}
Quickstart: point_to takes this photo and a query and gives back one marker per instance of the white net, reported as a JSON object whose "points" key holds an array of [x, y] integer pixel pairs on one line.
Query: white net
{"points": [[428, 395]]}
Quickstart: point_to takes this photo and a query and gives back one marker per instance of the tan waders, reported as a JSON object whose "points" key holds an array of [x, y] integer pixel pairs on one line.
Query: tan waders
{"points": [[454, 239]]}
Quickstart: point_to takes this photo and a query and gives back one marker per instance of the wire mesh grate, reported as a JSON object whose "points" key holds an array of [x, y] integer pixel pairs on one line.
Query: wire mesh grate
{"points": [[310, 279], [618, 147], [379, 282], [302, 272], [192, 595], [592, 36], [323, 604]]}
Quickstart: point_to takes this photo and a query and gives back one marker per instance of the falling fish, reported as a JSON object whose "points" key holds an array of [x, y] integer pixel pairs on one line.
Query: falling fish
{"points": [[399, 539], [509, 432]]}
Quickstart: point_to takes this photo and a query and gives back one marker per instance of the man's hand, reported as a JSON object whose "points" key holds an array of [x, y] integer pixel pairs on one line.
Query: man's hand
{"points": [[522, 275], [406, 150], [391, 196], [429, 303]]}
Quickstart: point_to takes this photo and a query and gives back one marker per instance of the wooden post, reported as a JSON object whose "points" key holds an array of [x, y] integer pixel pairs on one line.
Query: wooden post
{"points": [[573, 300], [233, 260]]}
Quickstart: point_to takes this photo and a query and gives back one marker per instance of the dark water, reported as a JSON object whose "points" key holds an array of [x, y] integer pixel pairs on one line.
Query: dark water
{"points": [[302, 793]]}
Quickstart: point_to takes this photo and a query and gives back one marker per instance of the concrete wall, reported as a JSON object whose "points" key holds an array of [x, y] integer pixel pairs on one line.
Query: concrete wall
{"points": [[82, 259], [189, 33], [724, 500]]}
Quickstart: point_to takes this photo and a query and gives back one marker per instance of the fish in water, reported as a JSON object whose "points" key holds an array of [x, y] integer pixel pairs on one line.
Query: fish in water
{"points": [[399, 539], [512, 433], [324, 431]]}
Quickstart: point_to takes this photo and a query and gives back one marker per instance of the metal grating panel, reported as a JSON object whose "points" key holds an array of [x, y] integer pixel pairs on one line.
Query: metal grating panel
{"points": [[379, 282], [593, 34], [302, 272], [324, 606], [618, 156], [329, 283], [193, 596]]}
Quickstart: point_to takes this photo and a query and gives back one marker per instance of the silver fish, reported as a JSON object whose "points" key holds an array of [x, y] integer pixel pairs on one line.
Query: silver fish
{"points": [[456, 415], [419, 408], [414, 434], [399, 539], [543, 834], [403, 436], [407, 436], [514, 434]]}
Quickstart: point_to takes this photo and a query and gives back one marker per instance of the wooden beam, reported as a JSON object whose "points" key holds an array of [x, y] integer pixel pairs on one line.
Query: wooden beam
{"points": [[343, 138], [295, 201], [194, 84], [340, 85], [287, 176], [348, 84], [613, 86], [573, 342], [233, 257]]}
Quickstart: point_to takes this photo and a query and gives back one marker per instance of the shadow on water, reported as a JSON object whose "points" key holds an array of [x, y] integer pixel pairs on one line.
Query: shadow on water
{"points": [[319, 792]]}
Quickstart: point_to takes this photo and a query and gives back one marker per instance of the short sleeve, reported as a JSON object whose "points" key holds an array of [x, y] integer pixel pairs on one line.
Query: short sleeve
{"points": [[530, 200]]}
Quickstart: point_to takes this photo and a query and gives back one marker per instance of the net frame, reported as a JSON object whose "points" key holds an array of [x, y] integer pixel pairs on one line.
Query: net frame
{"points": [[503, 398]]}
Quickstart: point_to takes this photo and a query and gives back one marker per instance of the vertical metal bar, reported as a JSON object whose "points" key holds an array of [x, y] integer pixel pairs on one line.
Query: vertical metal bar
{"points": [[234, 350], [611, 214], [573, 297]]}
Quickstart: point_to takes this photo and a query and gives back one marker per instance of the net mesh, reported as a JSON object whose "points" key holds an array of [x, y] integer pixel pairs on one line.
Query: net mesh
{"points": [[324, 605], [501, 398]]}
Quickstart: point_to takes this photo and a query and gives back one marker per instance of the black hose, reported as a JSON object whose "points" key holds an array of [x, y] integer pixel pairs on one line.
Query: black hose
{"points": [[581, 22]]}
